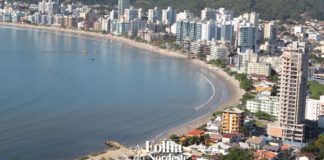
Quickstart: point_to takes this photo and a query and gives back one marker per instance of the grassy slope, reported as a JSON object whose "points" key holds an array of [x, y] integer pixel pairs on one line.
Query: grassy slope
{"points": [[316, 89]]}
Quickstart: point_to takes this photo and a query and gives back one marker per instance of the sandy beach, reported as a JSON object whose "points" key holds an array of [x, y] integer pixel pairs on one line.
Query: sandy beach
{"points": [[232, 85]]}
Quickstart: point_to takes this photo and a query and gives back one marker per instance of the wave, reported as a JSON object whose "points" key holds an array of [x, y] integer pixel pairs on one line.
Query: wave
{"points": [[196, 108], [211, 97]]}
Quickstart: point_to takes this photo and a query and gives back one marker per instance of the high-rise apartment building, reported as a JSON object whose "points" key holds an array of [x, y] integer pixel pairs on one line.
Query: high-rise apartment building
{"points": [[292, 94], [227, 30], [218, 51], [122, 5], [314, 108], [154, 15], [168, 16], [2, 4], [270, 31], [209, 30], [190, 30], [208, 14], [246, 37], [130, 14], [232, 120]]}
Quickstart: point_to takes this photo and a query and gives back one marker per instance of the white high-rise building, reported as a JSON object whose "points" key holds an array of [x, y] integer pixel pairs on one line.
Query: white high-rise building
{"points": [[252, 18], [42, 6], [50, 7], [218, 51], [269, 31], [140, 13], [224, 15], [130, 14], [113, 14], [208, 14], [244, 58], [185, 15], [292, 94], [209, 31], [122, 5], [168, 16], [105, 25], [314, 108], [154, 15], [259, 68]]}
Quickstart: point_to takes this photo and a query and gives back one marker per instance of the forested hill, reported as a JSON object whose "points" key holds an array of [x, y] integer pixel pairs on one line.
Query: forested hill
{"points": [[268, 9]]}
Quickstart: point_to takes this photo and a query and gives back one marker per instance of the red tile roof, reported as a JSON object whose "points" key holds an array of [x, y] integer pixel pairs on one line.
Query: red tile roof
{"points": [[231, 135], [265, 154], [196, 132]]}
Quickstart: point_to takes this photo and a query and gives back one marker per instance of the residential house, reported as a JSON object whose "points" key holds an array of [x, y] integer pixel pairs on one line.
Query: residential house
{"points": [[257, 142], [195, 133], [231, 137], [262, 154]]}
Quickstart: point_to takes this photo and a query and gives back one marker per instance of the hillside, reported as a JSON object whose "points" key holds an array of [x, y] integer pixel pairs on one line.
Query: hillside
{"points": [[268, 9]]}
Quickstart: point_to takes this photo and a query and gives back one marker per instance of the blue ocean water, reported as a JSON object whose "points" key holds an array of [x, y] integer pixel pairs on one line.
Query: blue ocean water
{"points": [[59, 102]]}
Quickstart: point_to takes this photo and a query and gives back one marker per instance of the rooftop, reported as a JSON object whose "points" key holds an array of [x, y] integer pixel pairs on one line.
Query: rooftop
{"points": [[231, 135], [195, 132], [265, 154], [233, 110], [255, 140]]}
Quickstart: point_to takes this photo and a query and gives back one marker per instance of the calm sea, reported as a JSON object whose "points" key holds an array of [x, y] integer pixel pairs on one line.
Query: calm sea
{"points": [[63, 95]]}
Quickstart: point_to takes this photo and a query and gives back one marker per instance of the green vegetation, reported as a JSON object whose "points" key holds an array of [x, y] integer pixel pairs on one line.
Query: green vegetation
{"points": [[317, 147], [264, 116], [239, 154], [245, 83], [317, 58], [247, 96], [219, 63], [268, 9], [274, 77], [316, 89], [274, 9], [174, 138], [195, 140], [259, 124]]}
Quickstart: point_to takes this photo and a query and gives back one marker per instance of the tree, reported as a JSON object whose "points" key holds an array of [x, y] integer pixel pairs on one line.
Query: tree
{"points": [[219, 63], [316, 148], [204, 139], [319, 143], [310, 148], [247, 96], [239, 154], [264, 115], [174, 138], [246, 85]]}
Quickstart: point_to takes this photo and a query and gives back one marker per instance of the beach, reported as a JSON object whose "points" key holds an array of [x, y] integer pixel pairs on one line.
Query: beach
{"points": [[231, 84]]}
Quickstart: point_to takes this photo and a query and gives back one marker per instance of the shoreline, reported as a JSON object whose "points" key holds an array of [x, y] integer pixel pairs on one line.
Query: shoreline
{"points": [[232, 85]]}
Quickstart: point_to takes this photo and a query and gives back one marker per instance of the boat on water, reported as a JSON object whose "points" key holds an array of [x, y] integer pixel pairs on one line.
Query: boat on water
{"points": [[84, 51]]}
